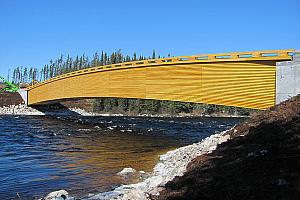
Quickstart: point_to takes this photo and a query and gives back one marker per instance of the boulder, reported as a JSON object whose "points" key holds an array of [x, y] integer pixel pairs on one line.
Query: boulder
{"points": [[58, 195], [127, 171]]}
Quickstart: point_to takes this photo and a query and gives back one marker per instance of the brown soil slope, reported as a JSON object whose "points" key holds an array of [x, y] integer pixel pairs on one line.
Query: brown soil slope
{"points": [[264, 164], [7, 99]]}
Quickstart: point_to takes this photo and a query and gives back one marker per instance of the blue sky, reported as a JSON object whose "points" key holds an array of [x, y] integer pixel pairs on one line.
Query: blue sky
{"points": [[34, 31]]}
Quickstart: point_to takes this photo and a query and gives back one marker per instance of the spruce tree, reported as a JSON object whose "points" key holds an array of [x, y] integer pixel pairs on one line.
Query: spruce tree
{"points": [[153, 54]]}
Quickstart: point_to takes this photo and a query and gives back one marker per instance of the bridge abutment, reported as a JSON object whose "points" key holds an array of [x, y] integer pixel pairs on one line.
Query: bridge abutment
{"points": [[23, 94], [288, 78]]}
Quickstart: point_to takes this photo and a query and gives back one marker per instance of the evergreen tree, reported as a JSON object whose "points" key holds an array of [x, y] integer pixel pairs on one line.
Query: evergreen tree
{"points": [[8, 75], [153, 54], [102, 58], [95, 61], [25, 75], [134, 57]]}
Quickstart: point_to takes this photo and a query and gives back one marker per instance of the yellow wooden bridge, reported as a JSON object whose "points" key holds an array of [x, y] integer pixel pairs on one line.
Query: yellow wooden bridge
{"points": [[242, 79]]}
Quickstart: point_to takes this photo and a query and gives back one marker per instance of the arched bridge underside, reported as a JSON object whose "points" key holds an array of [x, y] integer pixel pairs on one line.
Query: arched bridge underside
{"points": [[244, 79]]}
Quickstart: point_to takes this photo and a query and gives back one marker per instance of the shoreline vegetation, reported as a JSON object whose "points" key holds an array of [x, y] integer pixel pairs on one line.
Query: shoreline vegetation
{"points": [[163, 107]]}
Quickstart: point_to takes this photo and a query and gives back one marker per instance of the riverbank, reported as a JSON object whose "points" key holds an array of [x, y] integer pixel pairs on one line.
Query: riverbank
{"points": [[170, 165], [8, 98], [257, 159], [260, 161], [85, 154], [22, 109]]}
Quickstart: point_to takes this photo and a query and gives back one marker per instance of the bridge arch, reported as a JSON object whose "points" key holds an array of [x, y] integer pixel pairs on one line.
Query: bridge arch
{"points": [[245, 79]]}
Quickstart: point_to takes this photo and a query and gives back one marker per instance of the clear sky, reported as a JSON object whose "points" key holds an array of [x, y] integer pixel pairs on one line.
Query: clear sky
{"points": [[34, 31]]}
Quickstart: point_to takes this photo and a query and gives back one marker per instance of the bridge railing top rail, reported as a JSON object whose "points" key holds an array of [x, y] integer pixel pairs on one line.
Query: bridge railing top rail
{"points": [[201, 58]]}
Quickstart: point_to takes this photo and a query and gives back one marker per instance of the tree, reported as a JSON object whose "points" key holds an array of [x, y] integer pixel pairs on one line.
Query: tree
{"points": [[134, 57], [95, 61], [102, 58], [8, 75], [76, 63], [25, 75], [112, 58], [153, 54], [119, 56]]}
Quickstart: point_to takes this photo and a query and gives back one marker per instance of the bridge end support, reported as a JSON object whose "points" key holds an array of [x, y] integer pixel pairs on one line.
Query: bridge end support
{"points": [[288, 78], [24, 95]]}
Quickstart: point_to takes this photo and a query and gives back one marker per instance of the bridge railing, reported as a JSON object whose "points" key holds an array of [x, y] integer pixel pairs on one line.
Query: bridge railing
{"points": [[202, 58]]}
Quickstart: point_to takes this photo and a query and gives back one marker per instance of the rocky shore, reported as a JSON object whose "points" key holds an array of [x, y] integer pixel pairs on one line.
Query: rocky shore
{"points": [[19, 109], [170, 165], [260, 161], [257, 159], [22, 109]]}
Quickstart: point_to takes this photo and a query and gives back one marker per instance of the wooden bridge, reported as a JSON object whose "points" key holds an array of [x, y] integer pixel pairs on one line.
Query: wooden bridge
{"points": [[242, 79]]}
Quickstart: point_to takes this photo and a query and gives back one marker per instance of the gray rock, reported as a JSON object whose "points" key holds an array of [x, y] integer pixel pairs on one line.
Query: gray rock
{"points": [[59, 195], [127, 171]]}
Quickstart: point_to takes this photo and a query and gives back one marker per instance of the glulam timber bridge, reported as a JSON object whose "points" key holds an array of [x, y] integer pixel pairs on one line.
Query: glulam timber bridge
{"points": [[241, 79]]}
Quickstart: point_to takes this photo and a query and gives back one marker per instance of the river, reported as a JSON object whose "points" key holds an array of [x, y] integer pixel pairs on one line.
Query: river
{"points": [[40, 154]]}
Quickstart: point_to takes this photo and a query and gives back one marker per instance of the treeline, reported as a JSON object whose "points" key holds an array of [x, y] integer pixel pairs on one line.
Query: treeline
{"points": [[143, 106], [62, 65]]}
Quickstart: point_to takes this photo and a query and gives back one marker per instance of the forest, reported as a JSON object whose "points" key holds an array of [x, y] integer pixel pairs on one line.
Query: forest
{"points": [[62, 65], [66, 64]]}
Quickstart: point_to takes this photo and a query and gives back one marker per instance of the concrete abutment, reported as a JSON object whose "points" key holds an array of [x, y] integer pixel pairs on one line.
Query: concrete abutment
{"points": [[288, 78]]}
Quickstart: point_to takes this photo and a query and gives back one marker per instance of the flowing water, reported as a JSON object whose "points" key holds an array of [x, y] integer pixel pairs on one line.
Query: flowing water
{"points": [[40, 154]]}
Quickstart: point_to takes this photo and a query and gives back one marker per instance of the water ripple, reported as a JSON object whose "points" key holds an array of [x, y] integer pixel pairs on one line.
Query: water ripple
{"points": [[39, 154]]}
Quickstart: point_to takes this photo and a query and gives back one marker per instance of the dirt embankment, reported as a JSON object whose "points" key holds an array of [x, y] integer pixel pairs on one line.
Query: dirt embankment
{"points": [[7, 99], [264, 164]]}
